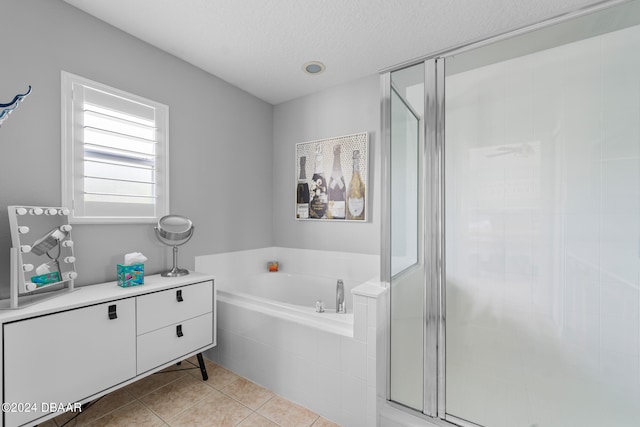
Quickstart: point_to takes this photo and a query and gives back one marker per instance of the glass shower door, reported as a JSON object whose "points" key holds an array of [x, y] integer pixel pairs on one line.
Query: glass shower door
{"points": [[542, 190]]}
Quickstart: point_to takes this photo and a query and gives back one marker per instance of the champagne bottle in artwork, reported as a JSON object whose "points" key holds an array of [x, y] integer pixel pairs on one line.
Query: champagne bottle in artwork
{"points": [[355, 191], [318, 202], [337, 188], [302, 196]]}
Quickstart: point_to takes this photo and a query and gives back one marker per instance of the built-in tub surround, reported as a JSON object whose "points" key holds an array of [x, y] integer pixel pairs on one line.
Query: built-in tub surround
{"points": [[269, 330]]}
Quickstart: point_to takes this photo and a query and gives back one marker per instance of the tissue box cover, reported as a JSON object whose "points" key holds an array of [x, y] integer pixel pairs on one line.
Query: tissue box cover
{"points": [[130, 275]]}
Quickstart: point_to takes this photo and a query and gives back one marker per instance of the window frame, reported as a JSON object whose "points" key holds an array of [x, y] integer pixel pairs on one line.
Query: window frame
{"points": [[71, 154]]}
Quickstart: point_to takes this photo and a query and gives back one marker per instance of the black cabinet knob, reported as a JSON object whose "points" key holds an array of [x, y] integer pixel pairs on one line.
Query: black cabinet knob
{"points": [[179, 331], [179, 295], [112, 312]]}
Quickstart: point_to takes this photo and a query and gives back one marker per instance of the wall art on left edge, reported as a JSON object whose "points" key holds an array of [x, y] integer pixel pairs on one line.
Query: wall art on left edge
{"points": [[332, 178]]}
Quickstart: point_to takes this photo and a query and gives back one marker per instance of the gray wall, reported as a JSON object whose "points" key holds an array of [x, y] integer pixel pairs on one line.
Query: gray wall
{"points": [[220, 137], [343, 110]]}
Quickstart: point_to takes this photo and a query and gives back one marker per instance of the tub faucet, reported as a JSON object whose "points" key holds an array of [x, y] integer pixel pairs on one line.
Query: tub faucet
{"points": [[341, 306]]}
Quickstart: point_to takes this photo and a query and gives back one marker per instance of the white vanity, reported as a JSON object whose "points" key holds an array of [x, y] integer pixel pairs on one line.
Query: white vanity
{"points": [[84, 344]]}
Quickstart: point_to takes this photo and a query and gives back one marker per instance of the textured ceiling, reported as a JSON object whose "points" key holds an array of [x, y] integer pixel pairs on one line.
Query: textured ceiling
{"points": [[261, 45]]}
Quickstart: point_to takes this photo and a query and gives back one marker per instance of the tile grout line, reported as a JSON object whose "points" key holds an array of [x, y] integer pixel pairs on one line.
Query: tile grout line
{"points": [[289, 401], [155, 389], [263, 405], [152, 411], [162, 420], [179, 413], [244, 419], [253, 411]]}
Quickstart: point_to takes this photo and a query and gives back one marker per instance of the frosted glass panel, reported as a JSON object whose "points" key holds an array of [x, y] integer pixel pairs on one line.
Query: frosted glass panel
{"points": [[542, 184]]}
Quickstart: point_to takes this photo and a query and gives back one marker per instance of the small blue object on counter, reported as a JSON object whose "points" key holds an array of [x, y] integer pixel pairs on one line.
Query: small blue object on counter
{"points": [[130, 275]]}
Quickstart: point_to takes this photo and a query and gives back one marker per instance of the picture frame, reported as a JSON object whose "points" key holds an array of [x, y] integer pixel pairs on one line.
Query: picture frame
{"points": [[332, 179]]}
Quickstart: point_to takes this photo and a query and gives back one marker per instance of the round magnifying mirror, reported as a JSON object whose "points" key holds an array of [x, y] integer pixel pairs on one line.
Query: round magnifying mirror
{"points": [[174, 230]]}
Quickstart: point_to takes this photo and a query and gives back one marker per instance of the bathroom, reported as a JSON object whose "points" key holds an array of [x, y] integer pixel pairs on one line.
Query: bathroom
{"points": [[232, 174]]}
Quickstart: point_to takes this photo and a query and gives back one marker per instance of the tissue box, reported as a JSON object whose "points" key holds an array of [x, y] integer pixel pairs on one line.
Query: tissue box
{"points": [[130, 275]]}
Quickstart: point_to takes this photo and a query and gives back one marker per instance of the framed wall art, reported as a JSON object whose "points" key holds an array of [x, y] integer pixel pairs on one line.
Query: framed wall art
{"points": [[332, 178]]}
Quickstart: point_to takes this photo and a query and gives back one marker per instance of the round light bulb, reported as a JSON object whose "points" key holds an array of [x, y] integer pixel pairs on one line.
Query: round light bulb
{"points": [[67, 243], [21, 211], [27, 267], [65, 227], [63, 211], [70, 259], [23, 229], [50, 211], [25, 249], [36, 211], [70, 275]]}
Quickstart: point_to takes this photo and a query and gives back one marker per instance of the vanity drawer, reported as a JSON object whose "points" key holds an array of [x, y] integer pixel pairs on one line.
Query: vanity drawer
{"points": [[171, 342], [160, 309]]}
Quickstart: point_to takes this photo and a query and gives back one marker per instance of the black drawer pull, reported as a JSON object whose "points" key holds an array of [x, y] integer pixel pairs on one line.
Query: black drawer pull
{"points": [[112, 312], [179, 331], [179, 295]]}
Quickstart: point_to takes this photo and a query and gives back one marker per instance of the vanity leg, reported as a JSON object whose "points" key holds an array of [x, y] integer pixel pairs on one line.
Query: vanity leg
{"points": [[203, 369]]}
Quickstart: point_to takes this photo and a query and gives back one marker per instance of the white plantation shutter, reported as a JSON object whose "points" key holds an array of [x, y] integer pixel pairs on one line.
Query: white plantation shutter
{"points": [[115, 151]]}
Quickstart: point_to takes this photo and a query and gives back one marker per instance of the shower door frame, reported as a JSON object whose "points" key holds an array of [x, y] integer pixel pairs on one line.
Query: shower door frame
{"points": [[432, 239], [433, 235]]}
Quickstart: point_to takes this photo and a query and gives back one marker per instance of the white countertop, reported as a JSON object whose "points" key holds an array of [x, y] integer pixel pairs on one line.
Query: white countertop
{"points": [[96, 294]]}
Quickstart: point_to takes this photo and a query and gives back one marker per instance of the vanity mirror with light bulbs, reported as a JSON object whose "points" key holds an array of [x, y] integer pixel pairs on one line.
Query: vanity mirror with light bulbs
{"points": [[42, 256]]}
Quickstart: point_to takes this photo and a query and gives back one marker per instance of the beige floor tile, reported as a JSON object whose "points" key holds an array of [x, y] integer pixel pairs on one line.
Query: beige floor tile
{"points": [[48, 423], [193, 360], [287, 414], [133, 414], [248, 393], [216, 410], [219, 377], [175, 397], [154, 381], [323, 422], [182, 399], [256, 420], [106, 404]]}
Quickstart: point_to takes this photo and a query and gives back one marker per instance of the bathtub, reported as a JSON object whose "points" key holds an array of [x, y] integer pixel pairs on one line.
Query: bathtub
{"points": [[268, 330], [292, 297]]}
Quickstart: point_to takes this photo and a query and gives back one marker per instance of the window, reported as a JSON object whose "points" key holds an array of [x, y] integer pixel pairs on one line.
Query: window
{"points": [[114, 154]]}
